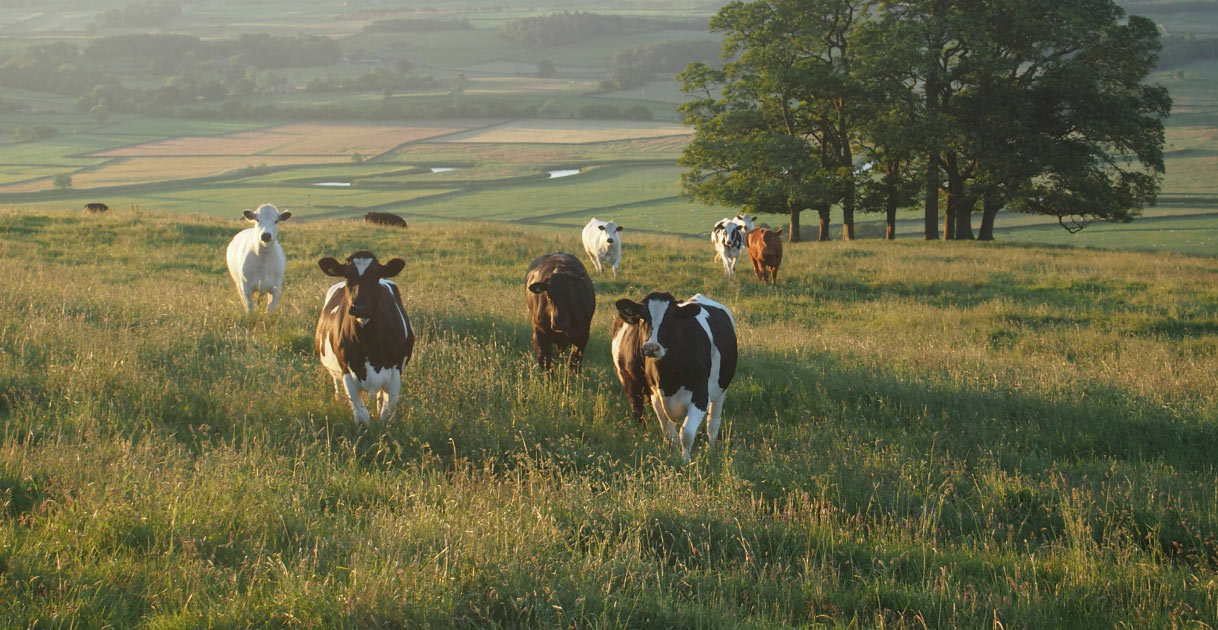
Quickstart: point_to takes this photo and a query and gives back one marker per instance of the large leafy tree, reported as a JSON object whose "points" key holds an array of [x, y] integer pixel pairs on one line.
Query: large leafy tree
{"points": [[776, 126]]}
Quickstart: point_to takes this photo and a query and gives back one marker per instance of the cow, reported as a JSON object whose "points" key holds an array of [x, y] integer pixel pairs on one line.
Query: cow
{"points": [[561, 304], [765, 250], [728, 239], [96, 206], [747, 223], [385, 218], [255, 259], [680, 356], [364, 338], [603, 244]]}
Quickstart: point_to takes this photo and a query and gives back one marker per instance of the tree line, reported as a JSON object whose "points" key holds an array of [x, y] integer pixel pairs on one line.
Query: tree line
{"points": [[574, 27], [956, 106]]}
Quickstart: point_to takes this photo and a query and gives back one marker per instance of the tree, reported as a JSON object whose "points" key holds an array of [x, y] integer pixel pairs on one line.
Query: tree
{"points": [[546, 70], [100, 112], [775, 129], [61, 181]]}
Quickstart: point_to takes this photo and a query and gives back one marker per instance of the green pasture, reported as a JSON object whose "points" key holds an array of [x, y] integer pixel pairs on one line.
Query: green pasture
{"points": [[919, 435]]}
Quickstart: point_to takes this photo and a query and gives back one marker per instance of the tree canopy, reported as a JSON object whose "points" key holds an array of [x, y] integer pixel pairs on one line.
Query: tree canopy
{"points": [[1034, 106]]}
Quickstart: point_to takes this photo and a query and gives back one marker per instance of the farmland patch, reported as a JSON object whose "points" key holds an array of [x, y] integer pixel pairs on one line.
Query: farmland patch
{"points": [[569, 131]]}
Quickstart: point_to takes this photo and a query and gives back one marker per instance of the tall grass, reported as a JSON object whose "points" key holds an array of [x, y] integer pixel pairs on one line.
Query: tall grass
{"points": [[920, 435]]}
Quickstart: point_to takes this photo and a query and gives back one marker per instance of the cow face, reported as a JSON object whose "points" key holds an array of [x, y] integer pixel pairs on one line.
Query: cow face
{"points": [[561, 290], [611, 229], [266, 221], [655, 315], [363, 274]]}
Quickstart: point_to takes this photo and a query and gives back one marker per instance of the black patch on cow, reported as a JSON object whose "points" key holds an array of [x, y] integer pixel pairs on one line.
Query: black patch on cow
{"points": [[561, 304], [387, 340]]}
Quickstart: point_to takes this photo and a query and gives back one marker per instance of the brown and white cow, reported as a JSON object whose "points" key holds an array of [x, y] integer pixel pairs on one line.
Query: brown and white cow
{"points": [[765, 250], [364, 338], [680, 356], [387, 219], [561, 304]]}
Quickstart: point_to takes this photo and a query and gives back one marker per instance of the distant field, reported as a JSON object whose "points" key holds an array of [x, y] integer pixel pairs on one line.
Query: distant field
{"points": [[568, 131]]}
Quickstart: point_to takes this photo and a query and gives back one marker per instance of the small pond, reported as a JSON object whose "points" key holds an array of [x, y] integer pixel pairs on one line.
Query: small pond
{"points": [[332, 184], [566, 172]]}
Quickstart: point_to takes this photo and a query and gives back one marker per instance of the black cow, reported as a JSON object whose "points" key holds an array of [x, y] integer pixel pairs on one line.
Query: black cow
{"points": [[561, 304], [364, 338], [385, 218], [679, 355], [96, 206]]}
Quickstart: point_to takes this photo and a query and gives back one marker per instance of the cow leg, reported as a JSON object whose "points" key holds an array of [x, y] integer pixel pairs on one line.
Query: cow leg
{"points": [[596, 263], [577, 357], [358, 410], [666, 425], [773, 275], [270, 307], [247, 296], [758, 270], [689, 429], [730, 265], [615, 268], [389, 404], [545, 357], [713, 418]]}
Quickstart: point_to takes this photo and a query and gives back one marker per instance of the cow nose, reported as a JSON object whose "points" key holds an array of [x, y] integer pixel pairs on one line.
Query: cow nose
{"points": [[266, 237], [653, 350], [610, 241]]}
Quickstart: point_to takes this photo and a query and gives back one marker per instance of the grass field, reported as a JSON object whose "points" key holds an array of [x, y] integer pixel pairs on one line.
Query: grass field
{"points": [[937, 435]]}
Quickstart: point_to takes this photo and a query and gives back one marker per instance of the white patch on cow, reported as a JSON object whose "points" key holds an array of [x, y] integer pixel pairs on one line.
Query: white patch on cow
{"points": [[616, 351], [361, 264], [390, 285], [329, 359], [657, 308], [330, 294]]}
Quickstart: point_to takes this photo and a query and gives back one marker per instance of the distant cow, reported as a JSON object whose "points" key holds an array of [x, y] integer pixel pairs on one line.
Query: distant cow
{"points": [[561, 304], [255, 259], [385, 218], [765, 250], [603, 244], [745, 222], [96, 206], [728, 238], [363, 337], [680, 356]]}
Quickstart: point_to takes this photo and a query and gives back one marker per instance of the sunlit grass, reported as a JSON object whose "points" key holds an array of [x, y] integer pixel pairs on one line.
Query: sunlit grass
{"points": [[920, 435]]}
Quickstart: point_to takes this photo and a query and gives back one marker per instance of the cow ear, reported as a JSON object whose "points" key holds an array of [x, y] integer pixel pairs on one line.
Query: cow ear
{"points": [[602, 227], [249, 214], [688, 311], [620, 228], [285, 215], [539, 287], [332, 267], [629, 310], [392, 268], [778, 231]]}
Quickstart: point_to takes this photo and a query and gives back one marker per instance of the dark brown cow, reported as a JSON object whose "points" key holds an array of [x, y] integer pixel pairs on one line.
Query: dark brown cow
{"points": [[363, 337], [96, 206], [765, 250], [561, 304], [385, 218]]}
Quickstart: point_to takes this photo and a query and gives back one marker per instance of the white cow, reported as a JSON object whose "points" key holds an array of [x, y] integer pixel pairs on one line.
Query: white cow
{"points": [[603, 244], [728, 238], [255, 259]]}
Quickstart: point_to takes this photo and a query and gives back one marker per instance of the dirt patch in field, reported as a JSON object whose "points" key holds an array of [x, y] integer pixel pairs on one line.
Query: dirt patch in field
{"points": [[142, 170], [296, 139]]}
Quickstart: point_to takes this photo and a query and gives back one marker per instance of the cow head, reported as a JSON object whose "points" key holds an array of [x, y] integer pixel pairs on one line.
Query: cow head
{"points": [[748, 222], [266, 221], [363, 273], [610, 229], [655, 315], [563, 291]]}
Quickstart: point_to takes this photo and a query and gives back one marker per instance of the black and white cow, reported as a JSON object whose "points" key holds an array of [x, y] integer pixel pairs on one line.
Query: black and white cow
{"points": [[364, 338], [681, 356], [728, 239]]}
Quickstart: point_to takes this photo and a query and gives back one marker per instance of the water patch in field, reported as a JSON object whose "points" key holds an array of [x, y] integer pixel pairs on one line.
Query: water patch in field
{"points": [[332, 184], [566, 172], [443, 169]]}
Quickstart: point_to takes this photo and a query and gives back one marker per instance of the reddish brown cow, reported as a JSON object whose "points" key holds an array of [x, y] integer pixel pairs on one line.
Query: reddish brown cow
{"points": [[765, 250]]}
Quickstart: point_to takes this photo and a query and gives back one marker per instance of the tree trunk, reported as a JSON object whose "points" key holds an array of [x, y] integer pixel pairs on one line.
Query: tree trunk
{"points": [[931, 207], [848, 194], [949, 218], [964, 218], [989, 210], [823, 211], [794, 236], [890, 213]]}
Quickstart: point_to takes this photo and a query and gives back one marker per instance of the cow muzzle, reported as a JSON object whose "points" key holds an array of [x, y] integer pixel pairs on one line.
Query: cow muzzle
{"points": [[266, 237], [653, 350]]}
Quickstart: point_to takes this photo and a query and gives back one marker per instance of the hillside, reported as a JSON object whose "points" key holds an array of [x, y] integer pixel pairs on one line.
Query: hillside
{"points": [[920, 435]]}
